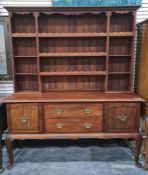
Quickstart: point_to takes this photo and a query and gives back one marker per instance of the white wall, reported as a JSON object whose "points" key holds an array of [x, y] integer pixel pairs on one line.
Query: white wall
{"points": [[142, 13], [3, 3]]}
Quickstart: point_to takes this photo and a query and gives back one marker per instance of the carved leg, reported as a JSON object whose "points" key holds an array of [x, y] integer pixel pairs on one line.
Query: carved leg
{"points": [[9, 142], [138, 150]]}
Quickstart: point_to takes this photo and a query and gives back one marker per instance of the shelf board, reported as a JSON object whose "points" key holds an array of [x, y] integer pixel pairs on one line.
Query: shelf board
{"points": [[23, 35], [119, 55], [71, 54], [27, 92], [26, 74], [117, 91], [72, 73], [72, 34], [114, 73], [102, 34], [69, 90], [121, 34], [22, 56]]}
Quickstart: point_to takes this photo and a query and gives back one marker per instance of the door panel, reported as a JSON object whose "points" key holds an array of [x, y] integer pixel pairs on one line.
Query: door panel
{"points": [[23, 118], [122, 117]]}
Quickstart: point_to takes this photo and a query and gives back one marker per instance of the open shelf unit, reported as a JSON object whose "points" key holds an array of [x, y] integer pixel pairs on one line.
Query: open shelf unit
{"points": [[73, 50]]}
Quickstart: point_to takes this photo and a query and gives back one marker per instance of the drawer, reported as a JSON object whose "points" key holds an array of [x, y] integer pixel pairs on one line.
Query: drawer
{"points": [[23, 118], [122, 117], [75, 110], [74, 125]]}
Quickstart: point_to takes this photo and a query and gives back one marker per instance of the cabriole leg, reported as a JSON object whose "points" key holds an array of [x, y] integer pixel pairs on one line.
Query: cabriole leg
{"points": [[9, 146], [138, 150]]}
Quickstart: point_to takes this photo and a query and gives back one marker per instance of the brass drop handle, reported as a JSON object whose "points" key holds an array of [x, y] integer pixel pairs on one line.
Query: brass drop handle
{"points": [[88, 125], [60, 125], [122, 118], [58, 111], [24, 119], [87, 110]]}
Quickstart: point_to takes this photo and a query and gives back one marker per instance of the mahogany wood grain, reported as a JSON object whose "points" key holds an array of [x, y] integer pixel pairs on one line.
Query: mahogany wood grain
{"points": [[59, 23], [70, 96], [107, 50], [26, 83], [76, 83], [121, 117], [75, 110], [74, 125], [118, 82], [24, 46], [70, 45], [77, 34], [120, 46], [72, 54], [72, 64], [70, 10], [26, 65], [72, 74], [117, 24], [73, 136], [119, 64], [21, 24], [23, 118]]}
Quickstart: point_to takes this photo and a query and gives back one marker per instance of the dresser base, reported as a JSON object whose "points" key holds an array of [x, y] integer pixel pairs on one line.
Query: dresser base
{"points": [[11, 137]]}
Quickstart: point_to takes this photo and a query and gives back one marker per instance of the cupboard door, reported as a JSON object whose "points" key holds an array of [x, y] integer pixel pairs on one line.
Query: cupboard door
{"points": [[122, 117], [24, 118]]}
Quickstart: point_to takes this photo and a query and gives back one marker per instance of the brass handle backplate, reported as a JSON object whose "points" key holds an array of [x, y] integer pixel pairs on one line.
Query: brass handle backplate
{"points": [[88, 125], [24, 119], [122, 118], [87, 110], [59, 111], [60, 125]]}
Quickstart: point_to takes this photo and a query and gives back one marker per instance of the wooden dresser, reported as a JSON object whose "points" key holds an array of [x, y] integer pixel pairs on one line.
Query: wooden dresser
{"points": [[73, 72]]}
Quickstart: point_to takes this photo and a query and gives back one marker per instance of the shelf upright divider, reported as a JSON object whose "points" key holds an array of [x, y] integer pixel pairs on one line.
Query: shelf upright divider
{"points": [[36, 15], [107, 48], [12, 52], [131, 88]]}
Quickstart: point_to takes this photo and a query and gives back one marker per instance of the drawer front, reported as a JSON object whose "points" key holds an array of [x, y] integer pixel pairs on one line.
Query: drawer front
{"points": [[23, 118], [73, 125], [73, 110], [122, 117]]}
